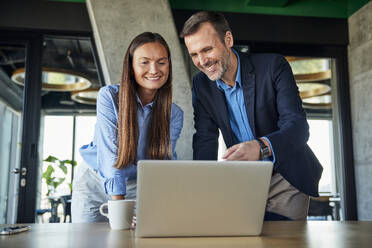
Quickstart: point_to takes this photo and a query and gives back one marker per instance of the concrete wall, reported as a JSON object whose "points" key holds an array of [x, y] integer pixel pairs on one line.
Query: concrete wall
{"points": [[360, 69], [116, 22]]}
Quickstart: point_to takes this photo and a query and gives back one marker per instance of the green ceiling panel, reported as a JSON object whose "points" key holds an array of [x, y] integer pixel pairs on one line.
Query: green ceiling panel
{"points": [[267, 3], [354, 6], [315, 8]]}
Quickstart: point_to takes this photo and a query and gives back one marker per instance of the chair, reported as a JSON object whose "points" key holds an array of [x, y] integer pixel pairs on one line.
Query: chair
{"points": [[66, 203], [320, 209], [40, 214]]}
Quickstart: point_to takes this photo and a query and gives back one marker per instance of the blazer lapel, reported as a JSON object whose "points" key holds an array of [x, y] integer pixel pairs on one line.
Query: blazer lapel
{"points": [[248, 85], [222, 114]]}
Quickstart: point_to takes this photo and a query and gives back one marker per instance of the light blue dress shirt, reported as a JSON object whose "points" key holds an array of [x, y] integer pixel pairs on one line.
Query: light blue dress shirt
{"points": [[236, 107], [101, 153]]}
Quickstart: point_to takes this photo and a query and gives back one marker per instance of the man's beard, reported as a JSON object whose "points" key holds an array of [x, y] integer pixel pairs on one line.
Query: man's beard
{"points": [[223, 66]]}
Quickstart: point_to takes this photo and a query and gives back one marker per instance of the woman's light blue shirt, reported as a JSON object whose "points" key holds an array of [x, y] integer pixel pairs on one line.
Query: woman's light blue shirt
{"points": [[101, 153]]}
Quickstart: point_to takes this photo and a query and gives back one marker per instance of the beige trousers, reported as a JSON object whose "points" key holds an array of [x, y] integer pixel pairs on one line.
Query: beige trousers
{"points": [[286, 200]]}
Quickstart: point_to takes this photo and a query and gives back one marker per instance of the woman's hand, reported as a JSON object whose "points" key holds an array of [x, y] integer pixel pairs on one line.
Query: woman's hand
{"points": [[118, 197]]}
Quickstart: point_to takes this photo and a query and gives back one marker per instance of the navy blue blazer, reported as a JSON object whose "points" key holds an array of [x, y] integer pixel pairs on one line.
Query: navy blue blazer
{"points": [[274, 109]]}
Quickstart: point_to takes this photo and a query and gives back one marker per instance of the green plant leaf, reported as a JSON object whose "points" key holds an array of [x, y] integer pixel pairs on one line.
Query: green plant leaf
{"points": [[49, 181], [48, 173], [61, 180], [71, 162], [57, 182], [63, 168], [51, 159]]}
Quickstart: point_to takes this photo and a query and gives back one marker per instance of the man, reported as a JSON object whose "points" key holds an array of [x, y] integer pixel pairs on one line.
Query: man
{"points": [[254, 101]]}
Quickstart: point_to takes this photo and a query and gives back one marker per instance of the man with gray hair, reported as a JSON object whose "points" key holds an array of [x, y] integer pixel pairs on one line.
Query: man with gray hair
{"points": [[253, 99]]}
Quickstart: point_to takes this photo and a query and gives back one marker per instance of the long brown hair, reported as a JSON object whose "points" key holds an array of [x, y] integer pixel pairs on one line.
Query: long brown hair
{"points": [[158, 136]]}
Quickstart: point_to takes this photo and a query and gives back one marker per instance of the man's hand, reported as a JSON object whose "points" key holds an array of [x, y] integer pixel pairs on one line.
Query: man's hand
{"points": [[246, 151]]}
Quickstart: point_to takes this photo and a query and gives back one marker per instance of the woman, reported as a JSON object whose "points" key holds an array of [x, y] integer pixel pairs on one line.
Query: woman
{"points": [[135, 120]]}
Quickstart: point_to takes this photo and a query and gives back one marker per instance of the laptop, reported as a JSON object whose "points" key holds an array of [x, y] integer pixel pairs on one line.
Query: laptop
{"points": [[201, 198]]}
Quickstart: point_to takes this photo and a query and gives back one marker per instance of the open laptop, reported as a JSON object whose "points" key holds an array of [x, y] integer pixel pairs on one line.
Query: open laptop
{"points": [[201, 198]]}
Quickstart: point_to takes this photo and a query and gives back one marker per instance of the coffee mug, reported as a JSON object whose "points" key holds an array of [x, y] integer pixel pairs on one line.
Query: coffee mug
{"points": [[120, 213]]}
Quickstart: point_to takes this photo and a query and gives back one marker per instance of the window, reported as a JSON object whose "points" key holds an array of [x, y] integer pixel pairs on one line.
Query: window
{"points": [[320, 141], [58, 142]]}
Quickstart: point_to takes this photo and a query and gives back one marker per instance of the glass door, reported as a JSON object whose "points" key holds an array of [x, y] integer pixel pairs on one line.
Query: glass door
{"points": [[12, 57], [70, 84], [20, 103]]}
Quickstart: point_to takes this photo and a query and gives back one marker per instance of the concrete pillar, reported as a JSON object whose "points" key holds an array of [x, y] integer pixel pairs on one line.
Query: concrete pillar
{"points": [[116, 22], [360, 69]]}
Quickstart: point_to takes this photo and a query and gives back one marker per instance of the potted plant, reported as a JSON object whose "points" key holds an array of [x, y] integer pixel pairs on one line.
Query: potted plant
{"points": [[55, 166]]}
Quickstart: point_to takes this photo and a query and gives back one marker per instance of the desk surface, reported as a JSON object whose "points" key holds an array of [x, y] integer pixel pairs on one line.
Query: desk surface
{"points": [[275, 234]]}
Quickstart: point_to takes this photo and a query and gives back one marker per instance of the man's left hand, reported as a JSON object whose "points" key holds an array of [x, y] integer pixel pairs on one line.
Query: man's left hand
{"points": [[246, 151]]}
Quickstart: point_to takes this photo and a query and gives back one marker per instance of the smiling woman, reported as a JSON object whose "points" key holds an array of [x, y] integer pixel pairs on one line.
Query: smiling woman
{"points": [[135, 120]]}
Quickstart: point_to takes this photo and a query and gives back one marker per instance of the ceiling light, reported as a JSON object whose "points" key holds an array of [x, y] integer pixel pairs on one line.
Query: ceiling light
{"points": [[88, 96], [54, 79], [311, 77], [308, 90], [323, 102], [310, 84]]}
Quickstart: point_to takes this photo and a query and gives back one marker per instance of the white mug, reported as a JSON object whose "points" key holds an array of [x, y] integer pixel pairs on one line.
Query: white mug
{"points": [[120, 213]]}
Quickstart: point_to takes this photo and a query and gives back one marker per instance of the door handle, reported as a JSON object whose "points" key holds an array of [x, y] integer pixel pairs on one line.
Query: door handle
{"points": [[22, 171]]}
